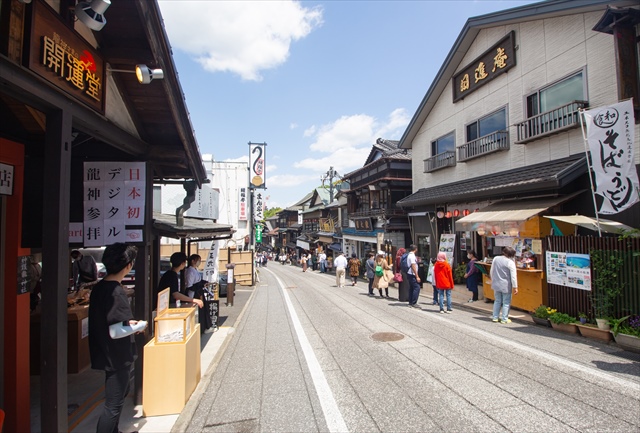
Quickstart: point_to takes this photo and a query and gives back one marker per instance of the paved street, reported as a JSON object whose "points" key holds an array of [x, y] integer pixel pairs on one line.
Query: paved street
{"points": [[306, 357]]}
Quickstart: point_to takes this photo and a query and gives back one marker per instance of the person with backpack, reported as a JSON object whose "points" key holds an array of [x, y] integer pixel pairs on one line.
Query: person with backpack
{"points": [[403, 286], [354, 268], [443, 277], [370, 271], [409, 265], [381, 280]]}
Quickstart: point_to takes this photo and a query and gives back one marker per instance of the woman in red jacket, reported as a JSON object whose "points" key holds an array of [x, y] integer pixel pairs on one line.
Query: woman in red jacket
{"points": [[443, 278]]}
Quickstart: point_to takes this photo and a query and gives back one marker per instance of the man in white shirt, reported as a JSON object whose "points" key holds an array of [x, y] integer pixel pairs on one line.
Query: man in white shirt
{"points": [[322, 257], [340, 263], [414, 279], [504, 281]]}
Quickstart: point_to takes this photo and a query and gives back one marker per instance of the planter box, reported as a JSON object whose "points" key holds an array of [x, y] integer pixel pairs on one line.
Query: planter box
{"points": [[628, 342], [595, 333], [543, 322], [569, 328]]}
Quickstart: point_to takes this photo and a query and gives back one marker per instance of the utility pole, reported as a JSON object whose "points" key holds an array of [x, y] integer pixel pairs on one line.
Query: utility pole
{"points": [[329, 175]]}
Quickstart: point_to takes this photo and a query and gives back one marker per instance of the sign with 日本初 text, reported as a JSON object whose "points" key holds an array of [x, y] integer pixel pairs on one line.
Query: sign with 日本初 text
{"points": [[114, 197]]}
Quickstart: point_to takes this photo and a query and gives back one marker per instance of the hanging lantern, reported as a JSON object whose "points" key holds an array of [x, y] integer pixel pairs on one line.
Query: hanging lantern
{"points": [[440, 214], [448, 214], [466, 212], [456, 213]]}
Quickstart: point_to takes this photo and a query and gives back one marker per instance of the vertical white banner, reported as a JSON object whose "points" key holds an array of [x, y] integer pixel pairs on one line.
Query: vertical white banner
{"points": [[242, 212], [610, 135], [210, 273], [257, 165], [258, 214]]}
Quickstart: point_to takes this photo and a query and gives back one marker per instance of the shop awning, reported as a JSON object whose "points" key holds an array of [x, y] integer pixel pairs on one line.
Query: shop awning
{"points": [[591, 223], [336, 246], [193, 228], [507, 215]]}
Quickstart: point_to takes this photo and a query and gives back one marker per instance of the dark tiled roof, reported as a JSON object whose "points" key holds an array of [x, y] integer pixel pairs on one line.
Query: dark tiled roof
{"points": [[547, 175]]}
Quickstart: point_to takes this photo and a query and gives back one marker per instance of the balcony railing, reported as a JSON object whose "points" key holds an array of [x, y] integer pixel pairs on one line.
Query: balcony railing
{"points": [[387, 212], [551, 122], [441, 160], [490, 143]]}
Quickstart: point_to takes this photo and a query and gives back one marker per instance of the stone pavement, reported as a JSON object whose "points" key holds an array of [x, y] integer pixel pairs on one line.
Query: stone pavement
{"points": [[456, 372]]}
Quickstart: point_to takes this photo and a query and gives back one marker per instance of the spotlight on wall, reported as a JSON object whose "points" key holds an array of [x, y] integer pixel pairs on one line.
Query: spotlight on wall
{"points": [[91, 13], [145, 74]]}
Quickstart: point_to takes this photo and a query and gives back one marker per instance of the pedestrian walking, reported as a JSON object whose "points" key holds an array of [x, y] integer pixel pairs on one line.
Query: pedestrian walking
{"points": [[412, 276], [369, 267], [403, 286], [472, 275], [304, 261], [443, 277], [322, 258], [340, 263], [381, 270], [504, 282], [432, 281], [354, 268]]}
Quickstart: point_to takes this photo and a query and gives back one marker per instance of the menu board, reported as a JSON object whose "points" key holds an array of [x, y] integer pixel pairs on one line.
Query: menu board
{"points": [[568, 269], [447, 244]]}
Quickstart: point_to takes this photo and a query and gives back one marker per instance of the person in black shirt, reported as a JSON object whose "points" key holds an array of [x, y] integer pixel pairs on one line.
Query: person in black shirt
{"points": [[85, 270], [171, 280], [111, 325]]}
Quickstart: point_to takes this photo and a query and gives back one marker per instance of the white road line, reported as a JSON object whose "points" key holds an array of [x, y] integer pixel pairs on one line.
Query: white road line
{"points": [[332, 414]]}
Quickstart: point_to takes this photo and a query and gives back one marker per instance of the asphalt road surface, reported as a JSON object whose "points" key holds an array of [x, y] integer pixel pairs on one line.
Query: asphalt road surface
{"points": [[308, 356]]}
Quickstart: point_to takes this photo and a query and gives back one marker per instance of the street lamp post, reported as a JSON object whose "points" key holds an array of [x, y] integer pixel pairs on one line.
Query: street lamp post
{"points": [[329, 175]]}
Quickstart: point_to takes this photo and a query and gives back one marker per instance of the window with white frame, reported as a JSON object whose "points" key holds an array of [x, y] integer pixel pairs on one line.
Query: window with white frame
{"points": [[563, 92], [446, 143], [486, 125]]}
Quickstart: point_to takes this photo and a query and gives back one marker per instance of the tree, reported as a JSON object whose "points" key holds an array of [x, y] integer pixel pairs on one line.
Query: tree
{"points": [[268, 213]]}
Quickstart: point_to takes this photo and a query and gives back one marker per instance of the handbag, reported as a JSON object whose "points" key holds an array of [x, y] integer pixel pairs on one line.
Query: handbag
{"points": [[397, 277]]}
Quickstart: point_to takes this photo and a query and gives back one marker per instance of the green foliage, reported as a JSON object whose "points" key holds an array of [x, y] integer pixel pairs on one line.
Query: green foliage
{"points": [[543, 312], [607, 284], [268, 213], [629, 325], [458, 273], [561, 318]]}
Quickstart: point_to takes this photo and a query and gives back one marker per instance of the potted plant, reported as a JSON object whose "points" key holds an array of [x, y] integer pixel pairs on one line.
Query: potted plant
{"points": [[541, 315], [563, 322], [590, 330], [583, 318], [458, 273], [626, 332], [607, 286]]}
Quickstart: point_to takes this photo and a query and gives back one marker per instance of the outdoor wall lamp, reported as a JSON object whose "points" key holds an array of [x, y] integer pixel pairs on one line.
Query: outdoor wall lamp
{"points": [[144, 73], [91, 13]]}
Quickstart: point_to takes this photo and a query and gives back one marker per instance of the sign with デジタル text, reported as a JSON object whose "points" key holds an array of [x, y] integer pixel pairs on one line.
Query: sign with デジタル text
{"points": [[114, 197]]}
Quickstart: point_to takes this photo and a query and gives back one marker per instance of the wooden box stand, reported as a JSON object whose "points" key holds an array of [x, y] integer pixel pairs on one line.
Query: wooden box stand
{"points": [[171, 371], [532, 288]]}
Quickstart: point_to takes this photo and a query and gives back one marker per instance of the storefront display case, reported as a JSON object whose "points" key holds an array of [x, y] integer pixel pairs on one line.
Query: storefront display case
{"points": [[171, 367]]}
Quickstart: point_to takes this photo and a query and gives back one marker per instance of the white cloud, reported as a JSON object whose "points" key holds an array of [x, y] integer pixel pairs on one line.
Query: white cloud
{"points": [[310, 131], [289, 180], [293, 126], [242, 37], [346, 143], [244, 158]]}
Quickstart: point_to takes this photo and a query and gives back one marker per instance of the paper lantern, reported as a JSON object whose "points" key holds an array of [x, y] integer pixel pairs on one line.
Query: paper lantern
{"points": [[466, 212], [440, 214], [456, 213], [448, 214]]}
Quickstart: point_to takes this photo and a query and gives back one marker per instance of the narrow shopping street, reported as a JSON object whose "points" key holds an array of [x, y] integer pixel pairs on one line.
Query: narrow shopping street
{"points": [[308, 356]]}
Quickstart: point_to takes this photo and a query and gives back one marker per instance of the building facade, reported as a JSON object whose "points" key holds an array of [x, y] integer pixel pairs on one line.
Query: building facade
{"points": [[501, 120]]}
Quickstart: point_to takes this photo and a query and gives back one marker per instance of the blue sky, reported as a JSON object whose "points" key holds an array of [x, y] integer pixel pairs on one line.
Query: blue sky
{"points": [[319, 82]]}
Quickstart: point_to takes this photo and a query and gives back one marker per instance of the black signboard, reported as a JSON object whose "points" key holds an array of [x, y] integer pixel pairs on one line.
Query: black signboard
{"points": [[494, 62], [214, 311], [23, 275]]}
